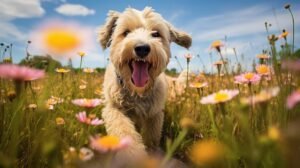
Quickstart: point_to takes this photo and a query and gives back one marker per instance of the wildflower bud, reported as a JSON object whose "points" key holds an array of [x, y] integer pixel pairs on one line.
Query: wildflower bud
{"points": [[11, 95], [287, 6], [187, 123]]}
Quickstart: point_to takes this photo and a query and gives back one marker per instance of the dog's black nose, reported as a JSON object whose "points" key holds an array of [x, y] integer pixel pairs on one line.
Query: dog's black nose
{"points": [[142, 50]]}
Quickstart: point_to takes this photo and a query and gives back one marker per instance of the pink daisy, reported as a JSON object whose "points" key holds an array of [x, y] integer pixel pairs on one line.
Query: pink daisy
{"points": [[109, 143], [219, 97], [20, 73], [88, 103], [293, 99], [81, 117], [247, 78]]}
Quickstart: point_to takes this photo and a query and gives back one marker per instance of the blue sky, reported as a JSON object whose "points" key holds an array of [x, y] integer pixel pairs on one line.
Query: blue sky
{"points": [[242, 22]]}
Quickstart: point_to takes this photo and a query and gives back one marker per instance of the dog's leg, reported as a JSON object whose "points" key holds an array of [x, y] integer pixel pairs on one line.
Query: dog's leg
{"points": [[117, 124], [152, 131]]}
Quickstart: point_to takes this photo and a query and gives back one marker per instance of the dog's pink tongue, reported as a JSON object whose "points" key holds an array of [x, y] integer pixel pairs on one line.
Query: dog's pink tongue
{"points": [[140, 74]]}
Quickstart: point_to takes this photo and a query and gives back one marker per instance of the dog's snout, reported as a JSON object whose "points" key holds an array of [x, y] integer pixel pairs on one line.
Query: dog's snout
{"points": [[142, 50]]}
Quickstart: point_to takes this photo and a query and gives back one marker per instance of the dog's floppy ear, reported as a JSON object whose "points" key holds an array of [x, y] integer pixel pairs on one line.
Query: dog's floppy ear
{"points": [[179, 37], [105, 32]]}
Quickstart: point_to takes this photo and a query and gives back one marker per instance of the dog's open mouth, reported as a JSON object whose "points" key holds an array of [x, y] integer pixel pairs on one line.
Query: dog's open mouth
{"points": [[139, 72]]}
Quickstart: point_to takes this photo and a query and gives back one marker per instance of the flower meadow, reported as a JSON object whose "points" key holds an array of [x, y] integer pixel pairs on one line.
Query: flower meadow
{"points": [[51, 116]]}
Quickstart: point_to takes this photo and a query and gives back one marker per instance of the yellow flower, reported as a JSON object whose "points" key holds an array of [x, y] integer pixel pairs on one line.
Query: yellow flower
{"points": [[81, 54], [109, 143], [216, 44], [274, 133], [62, 70], [263, 69], [219, 97], [284, 34], [249, 75], [59, 121], [187, 123], [198, 84], [206, 151], [61, 40]]}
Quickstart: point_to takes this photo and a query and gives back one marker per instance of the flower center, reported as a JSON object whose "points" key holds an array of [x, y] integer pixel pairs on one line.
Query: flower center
{"points": [[109, 141], [221, 97], [263, 69], [249, 76]]}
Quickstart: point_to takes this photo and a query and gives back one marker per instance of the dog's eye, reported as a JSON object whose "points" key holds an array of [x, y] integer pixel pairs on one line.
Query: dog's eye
{"points": [[126, 33], [155, 34]]}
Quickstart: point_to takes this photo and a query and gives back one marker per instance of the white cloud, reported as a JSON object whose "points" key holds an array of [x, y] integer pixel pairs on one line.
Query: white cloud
{"points": [[74, 10], [9, 32], [240, 23], [16, 9], [11, 9]]}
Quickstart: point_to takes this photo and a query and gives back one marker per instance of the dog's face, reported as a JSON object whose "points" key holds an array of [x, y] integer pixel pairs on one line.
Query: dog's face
{"points": [[140, 45]]}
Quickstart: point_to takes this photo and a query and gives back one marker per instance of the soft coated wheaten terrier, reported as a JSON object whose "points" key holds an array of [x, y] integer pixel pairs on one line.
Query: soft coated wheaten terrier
{"points": [[135, 86]]}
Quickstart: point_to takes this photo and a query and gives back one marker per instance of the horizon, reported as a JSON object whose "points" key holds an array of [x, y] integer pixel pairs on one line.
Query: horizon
{"points": [[238, 25]]}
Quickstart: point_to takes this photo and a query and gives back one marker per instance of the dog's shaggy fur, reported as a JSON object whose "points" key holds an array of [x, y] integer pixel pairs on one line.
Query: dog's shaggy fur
{"points": [[131, 110]]}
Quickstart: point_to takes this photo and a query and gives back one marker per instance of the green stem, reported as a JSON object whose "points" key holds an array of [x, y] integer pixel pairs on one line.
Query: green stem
{"points": [[174, 146], [80, 63], [293, 29]]}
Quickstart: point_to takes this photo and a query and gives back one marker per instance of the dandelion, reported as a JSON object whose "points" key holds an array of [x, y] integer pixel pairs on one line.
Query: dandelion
{"points": [[59, 121], [109, 143], [206, 152], [81, 54], [284, 34], [88, 103], [263, 69], [262, 96], [293, 99], [20, 73], [81, 117], [248, 78], [219, 97], [85, 154], [217, 45]]}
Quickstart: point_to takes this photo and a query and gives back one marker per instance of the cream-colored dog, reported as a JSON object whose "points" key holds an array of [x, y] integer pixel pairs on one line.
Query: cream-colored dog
{"points": [[135, 86]]}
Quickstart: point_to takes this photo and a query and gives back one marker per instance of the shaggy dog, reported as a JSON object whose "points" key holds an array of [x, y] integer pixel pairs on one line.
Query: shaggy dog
{"points": [[135, 86]]}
